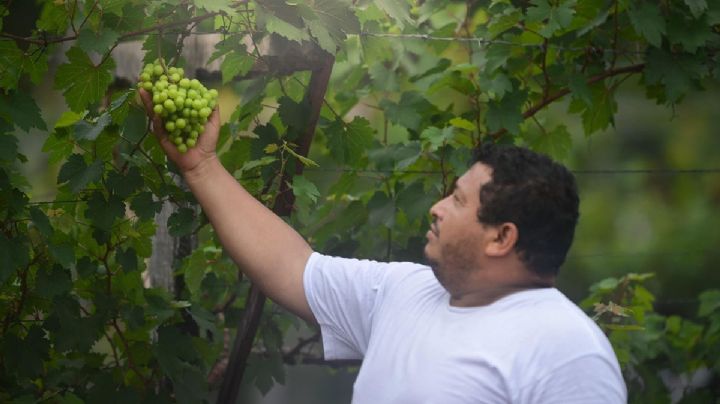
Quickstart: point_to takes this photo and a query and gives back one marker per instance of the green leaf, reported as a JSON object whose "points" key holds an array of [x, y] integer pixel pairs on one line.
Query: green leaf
{"points": [[63, 253], [124, 185], [709, 302], [8, 147], [506, 113], [381, 210], [556, 143], [496, 57], [302, 188], [7, 250], [98, 42], [216, 5], [78, 174], [415, 201], [103, 212], [580, 90], [293, 114], [348, 142], [59, 146], [398, 10], [409, 111], [691, 34], [10, 65], [236, 63], [134, 127], [648, 22], [697, 7], [558, 16], [599, 115], [677, 73], [120, 106], [182, 222], [70, 330], [281, 18], [53, 281], [25, 357], [145, 206], [495, 86], [85, 130], [68, 118], [127, 258], [194, 270], [330, 22], [83, 82], [20, 109], [41, 221], [54, 18], [113, 6], [436, 137]]}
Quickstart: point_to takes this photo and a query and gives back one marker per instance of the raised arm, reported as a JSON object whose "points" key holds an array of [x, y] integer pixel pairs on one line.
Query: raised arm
{"points": [[270, 252]]}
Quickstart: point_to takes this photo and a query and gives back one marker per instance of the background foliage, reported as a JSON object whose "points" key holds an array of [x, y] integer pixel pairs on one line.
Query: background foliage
{"points": [[415, 85]]}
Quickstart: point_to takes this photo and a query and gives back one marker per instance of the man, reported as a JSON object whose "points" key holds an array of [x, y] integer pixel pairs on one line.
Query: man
{"points": [[482, 324]]}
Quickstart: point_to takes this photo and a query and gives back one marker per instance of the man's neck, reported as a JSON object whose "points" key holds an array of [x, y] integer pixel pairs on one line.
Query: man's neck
{"points": [[485, 296]]}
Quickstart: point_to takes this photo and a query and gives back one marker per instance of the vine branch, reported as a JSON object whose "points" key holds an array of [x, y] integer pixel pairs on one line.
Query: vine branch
{"points": [[563, 92]]}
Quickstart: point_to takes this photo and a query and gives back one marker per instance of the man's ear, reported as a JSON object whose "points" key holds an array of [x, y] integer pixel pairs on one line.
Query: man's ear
{"points": [[503, 238]]}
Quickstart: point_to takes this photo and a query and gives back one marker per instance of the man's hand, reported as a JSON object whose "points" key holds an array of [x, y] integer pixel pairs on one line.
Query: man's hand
{"points": [[196, 156]]}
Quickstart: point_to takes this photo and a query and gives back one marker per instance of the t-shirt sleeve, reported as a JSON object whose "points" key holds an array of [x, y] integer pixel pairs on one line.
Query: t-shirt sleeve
{"points": [[343, 294], [588, 379]]}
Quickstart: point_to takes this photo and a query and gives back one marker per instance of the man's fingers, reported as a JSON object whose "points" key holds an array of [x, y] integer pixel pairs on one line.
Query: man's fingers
{"points": [[156, 121], [147, 101]]}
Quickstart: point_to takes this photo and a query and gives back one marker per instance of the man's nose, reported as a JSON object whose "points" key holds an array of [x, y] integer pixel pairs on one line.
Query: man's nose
{"points": [[435, 210]]}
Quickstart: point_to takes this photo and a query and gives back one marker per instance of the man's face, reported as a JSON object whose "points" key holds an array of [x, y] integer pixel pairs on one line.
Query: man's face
{"points": [[455, 240]]}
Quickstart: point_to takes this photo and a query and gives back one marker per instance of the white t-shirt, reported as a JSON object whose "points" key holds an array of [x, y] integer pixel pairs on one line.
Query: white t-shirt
{"points": [[533, 346]]}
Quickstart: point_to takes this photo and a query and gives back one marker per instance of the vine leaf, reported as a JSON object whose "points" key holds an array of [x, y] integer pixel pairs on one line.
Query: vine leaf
{"points": [[145, 206], [558, 16], [235, 64], [304, 189], [348, 142], [648, 22], [216, 5], [506, 113], [103, 212], [20, 109], [98, 42], [697, 7], [8, 147], [691, 34], [677, 73], [182, 222], [85, 130], [398, 10], [83, 82], [556, 143], [41, 221], [78, 174], [329, 21], [113, 6]]}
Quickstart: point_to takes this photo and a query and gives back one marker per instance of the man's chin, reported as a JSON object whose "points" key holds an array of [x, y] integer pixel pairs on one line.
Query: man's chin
{"points": [[430, 260]]}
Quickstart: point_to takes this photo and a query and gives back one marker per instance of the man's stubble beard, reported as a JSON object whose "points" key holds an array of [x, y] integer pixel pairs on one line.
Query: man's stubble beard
{"points": [[454, 266]]}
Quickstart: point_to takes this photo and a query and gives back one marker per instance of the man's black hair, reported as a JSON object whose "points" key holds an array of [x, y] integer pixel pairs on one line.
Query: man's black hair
{"points": [[535, 193]]}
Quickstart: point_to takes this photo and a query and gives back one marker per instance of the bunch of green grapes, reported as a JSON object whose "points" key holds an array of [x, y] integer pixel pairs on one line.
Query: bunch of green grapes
{"points": [[184, 105]]}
